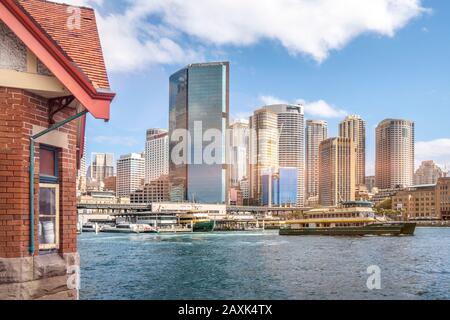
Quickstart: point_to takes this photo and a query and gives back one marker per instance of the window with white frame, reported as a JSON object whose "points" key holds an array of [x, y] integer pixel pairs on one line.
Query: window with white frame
{"points": [[48, 198]]}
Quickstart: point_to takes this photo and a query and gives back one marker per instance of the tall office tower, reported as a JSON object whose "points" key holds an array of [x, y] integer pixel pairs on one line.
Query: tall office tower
{"points": [[239, 151], [82, 172], [102, 166], [316, 132], [428, 173], [337, 177], [354, 127], [394, 154], [291, 145], [156, 154], [263, 150], [130, 174], [198, 122]]}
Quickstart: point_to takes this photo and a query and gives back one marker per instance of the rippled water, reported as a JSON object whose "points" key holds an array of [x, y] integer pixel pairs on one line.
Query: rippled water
{"points": [[263, 266]]}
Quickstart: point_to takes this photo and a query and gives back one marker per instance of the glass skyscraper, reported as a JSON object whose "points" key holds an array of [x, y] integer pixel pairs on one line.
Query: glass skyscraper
{"points": [[279, 189], [199, 106], [288, 186], [270, 188], [291, 143]]}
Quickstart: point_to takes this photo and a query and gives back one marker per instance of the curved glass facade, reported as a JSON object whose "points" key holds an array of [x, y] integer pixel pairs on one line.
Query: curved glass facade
{"points": [[199, 103]]}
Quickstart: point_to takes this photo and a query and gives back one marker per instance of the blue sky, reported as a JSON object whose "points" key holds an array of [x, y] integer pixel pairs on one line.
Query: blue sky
{"points": [[394, 65]]}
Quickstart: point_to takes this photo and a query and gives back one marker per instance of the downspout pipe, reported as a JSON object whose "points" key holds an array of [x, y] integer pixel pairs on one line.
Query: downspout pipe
{"points": [[33, 139]]}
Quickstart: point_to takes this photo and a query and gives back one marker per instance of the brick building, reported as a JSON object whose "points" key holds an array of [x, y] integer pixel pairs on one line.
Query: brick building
{"points": [[236, 197], [52, 73], [110, 184], [418, 202], [443, 198], [155, 191], [425, 201]]}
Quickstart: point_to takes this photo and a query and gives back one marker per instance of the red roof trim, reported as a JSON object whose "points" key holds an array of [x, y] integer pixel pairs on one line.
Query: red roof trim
{"points": [[16, 18]]}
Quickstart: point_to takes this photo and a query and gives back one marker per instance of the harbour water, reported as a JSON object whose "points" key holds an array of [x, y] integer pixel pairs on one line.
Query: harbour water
{"points": [[263, 265]]}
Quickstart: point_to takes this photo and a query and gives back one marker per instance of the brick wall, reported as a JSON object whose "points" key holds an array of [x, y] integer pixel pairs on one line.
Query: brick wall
{"points": [[19, 111]]}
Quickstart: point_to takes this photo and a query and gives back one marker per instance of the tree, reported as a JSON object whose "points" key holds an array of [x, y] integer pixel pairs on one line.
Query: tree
{"points": [[386, 204]]}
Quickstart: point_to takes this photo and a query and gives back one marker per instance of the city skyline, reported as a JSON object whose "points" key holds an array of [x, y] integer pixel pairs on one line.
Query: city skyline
{"points": [[333, 131], [278, 137], [397, 134], [417, 163], [373, 75], [273, 155]]}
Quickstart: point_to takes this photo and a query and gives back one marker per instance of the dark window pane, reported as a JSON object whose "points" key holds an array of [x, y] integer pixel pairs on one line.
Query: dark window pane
{"points": [[47, 215], [47, 201], [47, 162]]}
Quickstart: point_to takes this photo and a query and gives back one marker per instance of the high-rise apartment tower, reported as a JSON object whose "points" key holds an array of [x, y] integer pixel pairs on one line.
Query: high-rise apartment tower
{"points": [[394, 153], [156, 154], [354, 128], [337, 177], [316, 132]]}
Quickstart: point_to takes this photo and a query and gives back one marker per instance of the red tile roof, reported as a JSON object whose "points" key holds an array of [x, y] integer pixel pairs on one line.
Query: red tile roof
{"points": [[82, 46]]}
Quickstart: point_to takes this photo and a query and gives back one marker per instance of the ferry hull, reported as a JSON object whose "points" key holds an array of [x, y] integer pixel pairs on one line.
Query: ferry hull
{"points": [[126, 231], [408, 228], [204, 226], [395, 229]]}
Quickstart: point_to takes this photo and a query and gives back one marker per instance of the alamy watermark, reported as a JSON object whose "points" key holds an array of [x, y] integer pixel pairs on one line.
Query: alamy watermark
{"points": [[213, 146], [74, 19], [374, 279], [73, 280]]}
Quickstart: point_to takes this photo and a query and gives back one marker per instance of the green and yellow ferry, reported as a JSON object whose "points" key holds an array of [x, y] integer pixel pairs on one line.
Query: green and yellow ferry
{"points": [[355, 218], [198, 222]]}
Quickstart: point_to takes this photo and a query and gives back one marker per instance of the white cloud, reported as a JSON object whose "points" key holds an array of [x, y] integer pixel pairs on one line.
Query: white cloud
{"points": [[322, 109], [318, 109], [270, 100], [437, 150], [130, 44], [241, 116], [116, 140], [151, 31], [84, 3]]}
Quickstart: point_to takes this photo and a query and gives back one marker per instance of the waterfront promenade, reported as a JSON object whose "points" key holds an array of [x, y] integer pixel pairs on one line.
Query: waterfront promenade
{"points": [[263, 265]]}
